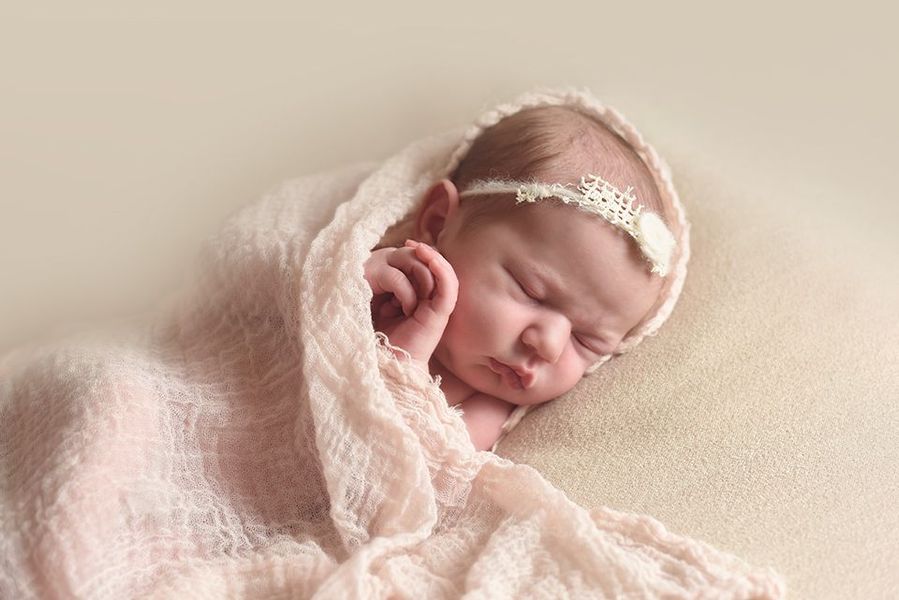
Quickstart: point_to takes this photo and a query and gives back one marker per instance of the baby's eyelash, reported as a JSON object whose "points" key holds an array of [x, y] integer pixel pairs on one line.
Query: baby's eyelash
{"points": [[585, 345], [522, 288]]}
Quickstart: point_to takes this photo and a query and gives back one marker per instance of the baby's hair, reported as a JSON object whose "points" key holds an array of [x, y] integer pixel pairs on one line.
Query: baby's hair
{"points": [[551, 144]]}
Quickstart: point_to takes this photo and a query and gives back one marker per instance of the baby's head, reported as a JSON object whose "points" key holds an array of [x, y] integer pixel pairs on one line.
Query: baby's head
{"points": [[546, 288]]}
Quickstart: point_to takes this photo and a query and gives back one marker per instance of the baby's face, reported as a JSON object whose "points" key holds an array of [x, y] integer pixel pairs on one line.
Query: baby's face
{"points": [[546, 291]]}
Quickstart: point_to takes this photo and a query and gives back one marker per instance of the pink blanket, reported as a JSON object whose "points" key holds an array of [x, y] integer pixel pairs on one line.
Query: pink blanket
{"points": [[257, 439]]}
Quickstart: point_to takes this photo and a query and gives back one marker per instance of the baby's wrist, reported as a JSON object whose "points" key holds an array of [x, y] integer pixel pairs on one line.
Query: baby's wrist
{"points": [[403, 355]]}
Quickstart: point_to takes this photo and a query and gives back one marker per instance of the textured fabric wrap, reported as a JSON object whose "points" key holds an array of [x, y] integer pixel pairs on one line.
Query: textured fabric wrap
{"points": [[255, 438]]}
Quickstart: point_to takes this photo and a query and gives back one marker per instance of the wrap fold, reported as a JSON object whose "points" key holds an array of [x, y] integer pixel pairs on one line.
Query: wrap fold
{"points": [[256, 438]]}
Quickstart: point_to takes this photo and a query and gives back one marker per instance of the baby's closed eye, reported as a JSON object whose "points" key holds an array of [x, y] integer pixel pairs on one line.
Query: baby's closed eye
{"points": [[586, 344], [533, 297]]}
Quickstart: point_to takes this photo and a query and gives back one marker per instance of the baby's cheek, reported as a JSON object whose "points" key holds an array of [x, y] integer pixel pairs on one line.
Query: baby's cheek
{"points": [[480, 311], [494, 317], [571, 370], [472, 334]]}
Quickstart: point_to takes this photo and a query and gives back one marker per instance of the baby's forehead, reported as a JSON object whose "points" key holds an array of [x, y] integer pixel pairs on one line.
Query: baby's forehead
{"points": [[556, 223], [572, 242]]}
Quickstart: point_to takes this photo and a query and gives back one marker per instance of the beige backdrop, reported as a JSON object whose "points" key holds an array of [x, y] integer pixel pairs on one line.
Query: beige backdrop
{"points": [[126, 138]]}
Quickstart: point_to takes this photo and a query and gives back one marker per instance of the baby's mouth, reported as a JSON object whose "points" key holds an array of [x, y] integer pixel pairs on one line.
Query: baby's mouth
{"points": [[512, 378]]}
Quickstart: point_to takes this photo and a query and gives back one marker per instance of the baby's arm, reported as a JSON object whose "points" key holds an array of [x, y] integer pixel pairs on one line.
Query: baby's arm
{"points": [[484, 417]]}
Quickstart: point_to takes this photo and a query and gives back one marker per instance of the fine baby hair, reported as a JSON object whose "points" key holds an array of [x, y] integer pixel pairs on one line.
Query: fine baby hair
{"points": [[552, 144]]}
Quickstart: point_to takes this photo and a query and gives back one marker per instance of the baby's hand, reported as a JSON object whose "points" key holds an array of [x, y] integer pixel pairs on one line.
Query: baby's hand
{"points": [[415, 291]]}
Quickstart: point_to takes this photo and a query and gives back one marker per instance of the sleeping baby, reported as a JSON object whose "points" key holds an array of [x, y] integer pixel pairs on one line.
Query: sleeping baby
{"points": [[527, 267]]}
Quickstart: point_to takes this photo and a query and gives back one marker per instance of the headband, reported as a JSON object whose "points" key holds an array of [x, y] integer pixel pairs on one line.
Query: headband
{"points": [[597, 196]]}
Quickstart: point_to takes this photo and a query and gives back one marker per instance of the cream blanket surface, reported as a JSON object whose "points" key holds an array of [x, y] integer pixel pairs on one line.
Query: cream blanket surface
{"points": [[256, 438]]}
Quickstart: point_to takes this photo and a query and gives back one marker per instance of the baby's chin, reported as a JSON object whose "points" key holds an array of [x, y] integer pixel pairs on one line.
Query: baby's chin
{"points": [[530, 400]]}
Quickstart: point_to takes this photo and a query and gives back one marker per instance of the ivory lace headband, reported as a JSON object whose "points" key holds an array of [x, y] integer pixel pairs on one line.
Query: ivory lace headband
{"points": [[601, 198]]}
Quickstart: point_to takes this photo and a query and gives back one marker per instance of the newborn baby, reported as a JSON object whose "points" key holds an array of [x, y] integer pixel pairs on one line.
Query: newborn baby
{"points": [[528, 265]]}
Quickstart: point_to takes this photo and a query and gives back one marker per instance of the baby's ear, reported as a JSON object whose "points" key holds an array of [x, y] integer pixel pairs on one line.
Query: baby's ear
{"points": [[438, 207]]}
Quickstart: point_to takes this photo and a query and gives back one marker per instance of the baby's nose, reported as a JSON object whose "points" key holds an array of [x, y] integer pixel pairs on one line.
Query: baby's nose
{"points": [[547, 338]]}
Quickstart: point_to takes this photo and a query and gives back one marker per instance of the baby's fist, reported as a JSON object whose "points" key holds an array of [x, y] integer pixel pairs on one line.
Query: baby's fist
{"points": [[421, 281]]}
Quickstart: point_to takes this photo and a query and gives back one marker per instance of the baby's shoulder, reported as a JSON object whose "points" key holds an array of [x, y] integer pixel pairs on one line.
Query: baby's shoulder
{"points": [[484, 416]]}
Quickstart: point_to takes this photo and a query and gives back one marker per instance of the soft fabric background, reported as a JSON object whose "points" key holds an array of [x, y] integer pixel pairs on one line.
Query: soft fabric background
{"points": [[763, 419]]}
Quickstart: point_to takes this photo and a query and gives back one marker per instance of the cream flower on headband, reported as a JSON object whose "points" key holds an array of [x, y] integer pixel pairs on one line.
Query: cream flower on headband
{"points": [[655, 241], [598, 196]]}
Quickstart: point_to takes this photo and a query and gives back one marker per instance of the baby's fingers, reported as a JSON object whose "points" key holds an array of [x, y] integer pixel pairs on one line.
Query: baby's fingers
{"points": [[406, 261], [447, 285], [394, 281], [391, 309], [424, 280]]}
